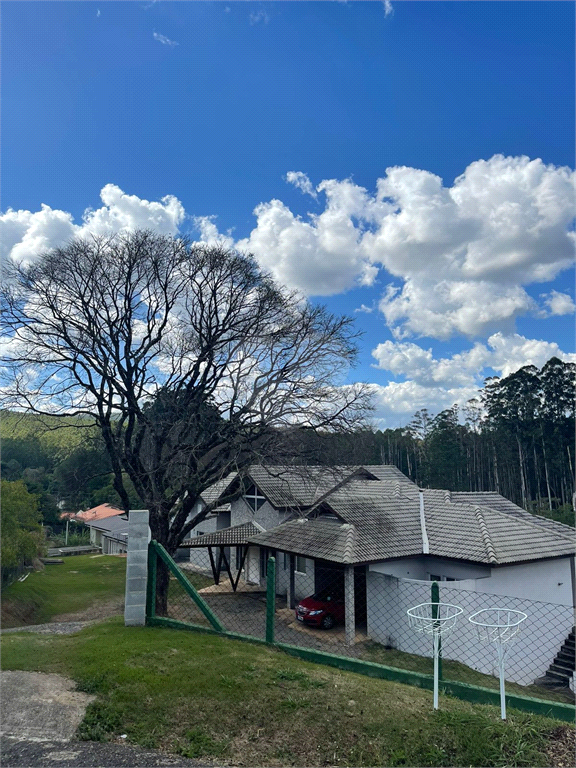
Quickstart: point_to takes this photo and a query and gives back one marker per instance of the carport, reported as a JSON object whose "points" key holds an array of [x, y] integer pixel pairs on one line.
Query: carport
{"points": [[328, 541]]}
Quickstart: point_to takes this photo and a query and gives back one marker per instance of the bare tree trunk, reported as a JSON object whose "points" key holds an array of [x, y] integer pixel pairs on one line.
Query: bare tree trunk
{"points": [[546, 475], [162, 583], [522, 474], [496, 477]]}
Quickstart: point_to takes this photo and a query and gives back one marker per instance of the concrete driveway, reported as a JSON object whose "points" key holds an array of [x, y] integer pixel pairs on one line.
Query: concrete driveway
{"points": [[39, 717]]}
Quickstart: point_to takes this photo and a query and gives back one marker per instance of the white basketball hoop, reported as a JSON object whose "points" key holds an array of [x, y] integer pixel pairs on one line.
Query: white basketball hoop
{"points": [[499, 626], [438, 620]]}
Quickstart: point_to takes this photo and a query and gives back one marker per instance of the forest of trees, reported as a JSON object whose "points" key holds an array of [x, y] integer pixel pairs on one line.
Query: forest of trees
{"points": [[516, 438]]}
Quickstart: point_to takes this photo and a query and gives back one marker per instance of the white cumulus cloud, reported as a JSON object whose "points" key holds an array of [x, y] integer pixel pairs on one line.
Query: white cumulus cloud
{"points": [[438, 383], [461, 255], [301, 182], [559, 303], [24, 235]]}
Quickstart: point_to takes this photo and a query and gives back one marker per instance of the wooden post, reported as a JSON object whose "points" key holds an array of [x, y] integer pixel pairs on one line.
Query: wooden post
{"points": [[270, 599], [349, 610]]}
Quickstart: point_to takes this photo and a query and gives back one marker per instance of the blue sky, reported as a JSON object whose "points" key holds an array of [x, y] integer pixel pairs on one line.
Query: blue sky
{"points": [[297, 110]]}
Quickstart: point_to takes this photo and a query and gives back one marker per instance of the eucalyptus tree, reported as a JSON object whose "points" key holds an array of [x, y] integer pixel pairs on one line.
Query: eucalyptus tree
{"points": [[189, 359]]}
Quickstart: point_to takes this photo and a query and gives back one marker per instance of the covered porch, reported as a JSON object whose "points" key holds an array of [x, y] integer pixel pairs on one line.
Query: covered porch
{"points": [[227, 549]]}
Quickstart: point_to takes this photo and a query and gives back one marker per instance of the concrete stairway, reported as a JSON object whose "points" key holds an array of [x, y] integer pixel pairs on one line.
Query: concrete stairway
{"points": [[562, 668]]}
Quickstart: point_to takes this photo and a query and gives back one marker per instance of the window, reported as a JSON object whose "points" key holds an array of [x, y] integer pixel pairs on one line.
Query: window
{"points": [[199, 533], [448, 578], [435, 577], [254, 498], [301, 564], [286, 561]]}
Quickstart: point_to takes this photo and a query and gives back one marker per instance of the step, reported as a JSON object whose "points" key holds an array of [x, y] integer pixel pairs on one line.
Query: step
{"points": [[562, 677], [560, 661], [569, 644]]}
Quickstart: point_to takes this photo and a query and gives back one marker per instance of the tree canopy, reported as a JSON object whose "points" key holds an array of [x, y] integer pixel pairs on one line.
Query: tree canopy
{"points": [[189, 359], [22, 536]]}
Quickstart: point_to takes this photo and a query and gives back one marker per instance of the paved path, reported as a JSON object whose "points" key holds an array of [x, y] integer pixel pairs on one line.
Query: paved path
{"points": [[85, 754], [53, 628]]}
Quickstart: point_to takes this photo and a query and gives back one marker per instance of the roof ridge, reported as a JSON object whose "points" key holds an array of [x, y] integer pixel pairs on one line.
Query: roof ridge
{"points": [[424, 532], [349, 545], [485, 536]]}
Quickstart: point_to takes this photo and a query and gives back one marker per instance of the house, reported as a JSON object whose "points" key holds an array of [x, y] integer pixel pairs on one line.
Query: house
{"points": [[381, 547], [95, 513], [110, 534], [267, 497], [373, 535]]}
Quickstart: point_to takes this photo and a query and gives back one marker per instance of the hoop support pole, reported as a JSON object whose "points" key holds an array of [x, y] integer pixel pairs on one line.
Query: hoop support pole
{"points": [[435, 599], [436, 666], [501, 654]]}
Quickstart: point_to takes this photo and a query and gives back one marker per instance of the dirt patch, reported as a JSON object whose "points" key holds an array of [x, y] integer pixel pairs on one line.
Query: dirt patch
{"points": [[16, 613], [99, 610], [561, 747]]}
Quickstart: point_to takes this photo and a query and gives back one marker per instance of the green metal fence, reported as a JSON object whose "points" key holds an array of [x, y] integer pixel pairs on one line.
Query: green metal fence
{"points": [[195, 603]]}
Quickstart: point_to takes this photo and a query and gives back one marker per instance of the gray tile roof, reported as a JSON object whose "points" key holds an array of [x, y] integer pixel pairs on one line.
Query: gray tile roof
{"points": [[234, 536], [496, 501], [213, 493], [320, 538], [298, 486], [388, 473], [381, 521], [112, 525]]}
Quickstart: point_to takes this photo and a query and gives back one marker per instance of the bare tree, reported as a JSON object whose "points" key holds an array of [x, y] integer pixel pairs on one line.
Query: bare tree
{"points": [[190, 360]]}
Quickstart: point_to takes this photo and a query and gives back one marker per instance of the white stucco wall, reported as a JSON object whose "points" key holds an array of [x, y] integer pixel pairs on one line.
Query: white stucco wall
{"points": [[545, 629], [200, 557], [420, 567], [549, 581]]}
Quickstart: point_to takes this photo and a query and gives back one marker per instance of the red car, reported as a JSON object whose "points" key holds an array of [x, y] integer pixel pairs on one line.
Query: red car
{"points": [[325, 609]]}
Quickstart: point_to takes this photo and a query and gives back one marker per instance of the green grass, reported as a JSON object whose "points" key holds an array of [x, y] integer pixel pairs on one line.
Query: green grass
{"points": [[203, 696], [458, 672], [69, 587]]}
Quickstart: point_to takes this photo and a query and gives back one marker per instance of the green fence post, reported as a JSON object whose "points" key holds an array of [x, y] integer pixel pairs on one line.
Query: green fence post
{"points": [[151, 585], [435, 601], [270, 599]]}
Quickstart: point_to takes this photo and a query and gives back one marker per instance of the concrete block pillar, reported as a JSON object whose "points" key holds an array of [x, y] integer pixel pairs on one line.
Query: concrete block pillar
{"points": [[350, 613], [136, 568]]}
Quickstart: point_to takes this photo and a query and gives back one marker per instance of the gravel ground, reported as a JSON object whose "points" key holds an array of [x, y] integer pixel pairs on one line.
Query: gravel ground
{"points": [[60, 628]]}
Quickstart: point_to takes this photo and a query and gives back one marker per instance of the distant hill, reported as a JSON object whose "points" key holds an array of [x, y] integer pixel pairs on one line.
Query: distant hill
{"points": [[58, 435]]}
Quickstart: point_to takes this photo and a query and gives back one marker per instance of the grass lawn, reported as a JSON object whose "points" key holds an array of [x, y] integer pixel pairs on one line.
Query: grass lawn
{"points": [[69, 587], [209, 697]]}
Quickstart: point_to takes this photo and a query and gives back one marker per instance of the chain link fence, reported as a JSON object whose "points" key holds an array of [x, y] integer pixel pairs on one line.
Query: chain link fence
{"points": [[362, 614]]}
